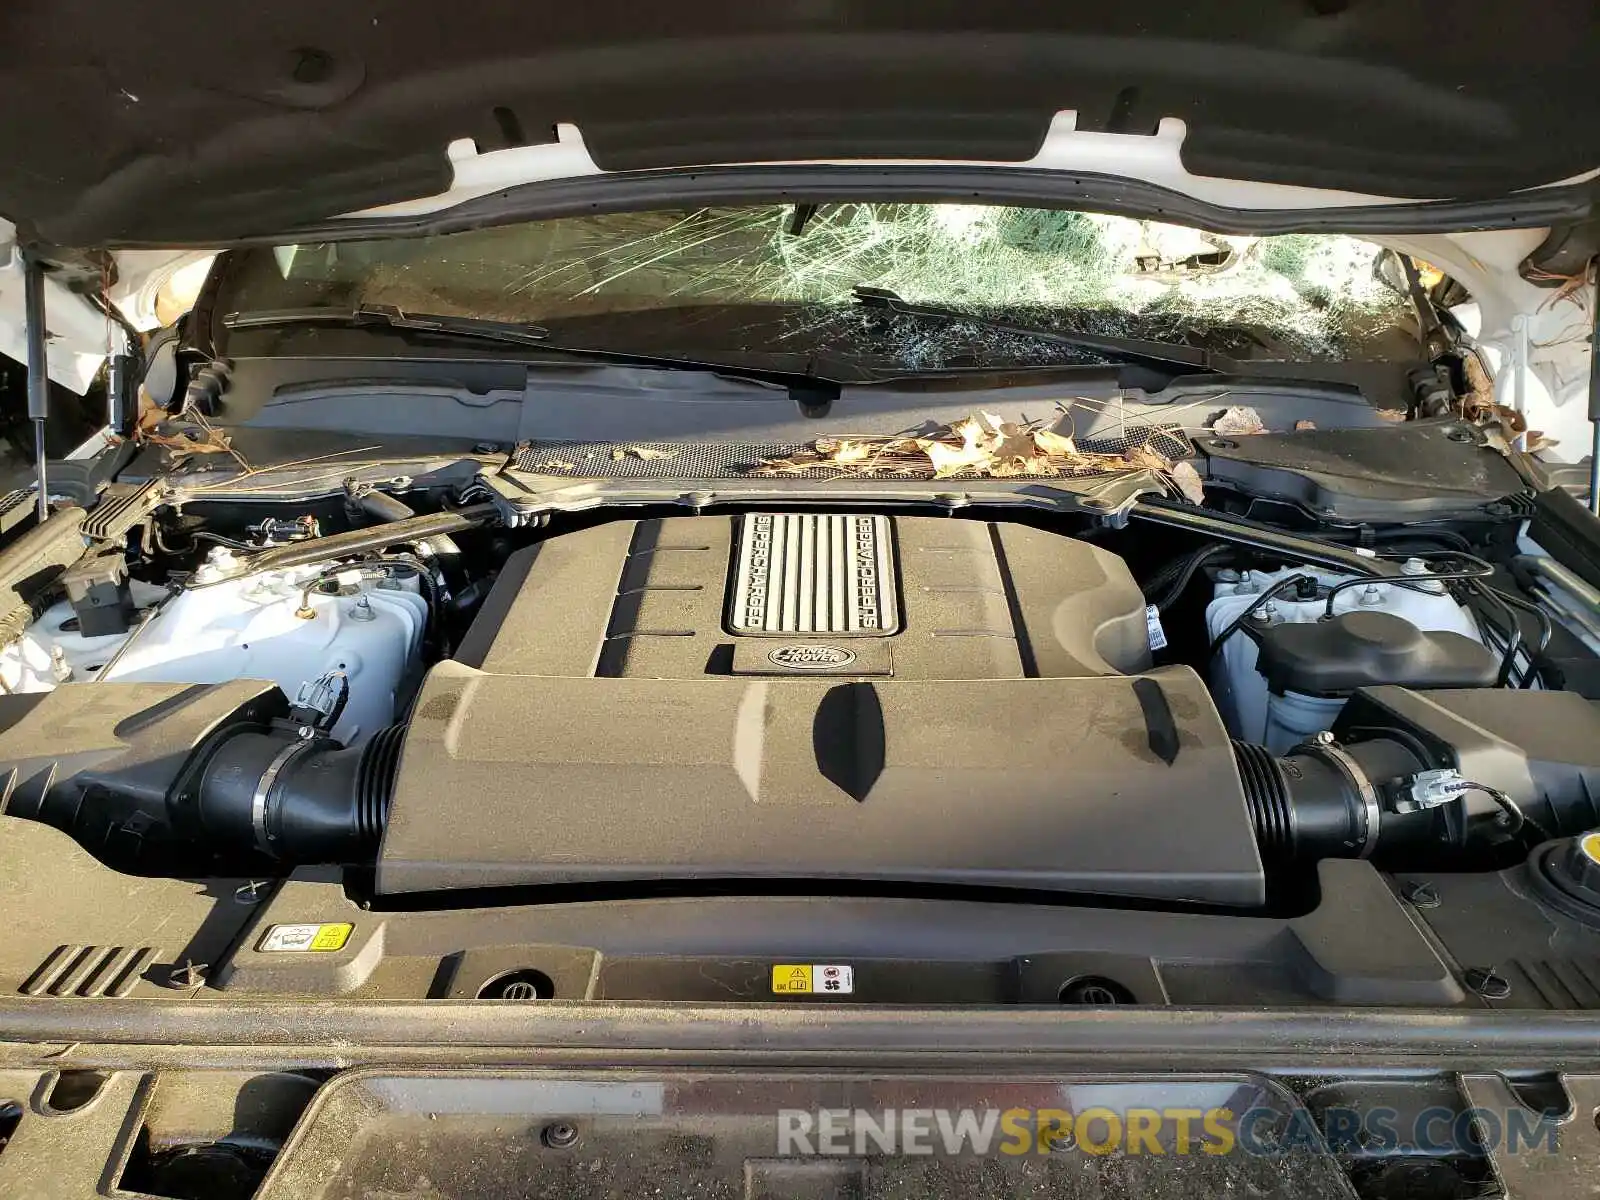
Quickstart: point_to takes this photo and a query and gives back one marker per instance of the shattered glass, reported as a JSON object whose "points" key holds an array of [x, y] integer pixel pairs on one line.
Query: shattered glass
{"points": [[789, 273]]}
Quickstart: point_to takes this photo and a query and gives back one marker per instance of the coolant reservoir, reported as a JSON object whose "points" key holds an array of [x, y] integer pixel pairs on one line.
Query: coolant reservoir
{"points": [[1281, 721]]}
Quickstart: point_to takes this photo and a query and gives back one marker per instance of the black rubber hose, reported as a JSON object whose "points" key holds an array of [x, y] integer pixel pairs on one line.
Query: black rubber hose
{"points": [[1266, 794], [1167, 586], [1237, 531], [1304, 807], [299, 800], [1329, 801], [374, 784]]}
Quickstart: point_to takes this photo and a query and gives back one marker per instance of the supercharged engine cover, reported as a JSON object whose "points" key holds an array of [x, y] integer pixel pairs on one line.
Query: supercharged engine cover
{"points": [[826, 698], [907, 597]]}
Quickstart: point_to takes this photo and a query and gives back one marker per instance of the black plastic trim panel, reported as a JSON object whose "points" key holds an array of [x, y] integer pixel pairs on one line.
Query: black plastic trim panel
{"points": [[634, 191]]}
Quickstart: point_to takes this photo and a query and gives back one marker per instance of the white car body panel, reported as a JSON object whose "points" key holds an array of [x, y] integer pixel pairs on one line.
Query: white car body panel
{"points": [[1535, 344]]}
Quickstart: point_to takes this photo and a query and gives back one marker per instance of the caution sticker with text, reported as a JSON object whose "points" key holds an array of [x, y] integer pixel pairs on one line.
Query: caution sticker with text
{"points": [[324, 938], [813, 979]]}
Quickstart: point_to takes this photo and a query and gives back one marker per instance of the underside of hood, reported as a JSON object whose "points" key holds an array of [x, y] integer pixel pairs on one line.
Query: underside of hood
{"points": [[189, 122]]}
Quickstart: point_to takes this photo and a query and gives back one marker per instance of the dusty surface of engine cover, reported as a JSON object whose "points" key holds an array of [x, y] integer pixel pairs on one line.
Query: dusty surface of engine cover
{"points": [[607, 721], [842, 594]]}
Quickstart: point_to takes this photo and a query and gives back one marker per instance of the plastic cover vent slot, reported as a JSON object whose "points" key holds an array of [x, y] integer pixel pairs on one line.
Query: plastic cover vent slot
{"points": [[90, 971]]}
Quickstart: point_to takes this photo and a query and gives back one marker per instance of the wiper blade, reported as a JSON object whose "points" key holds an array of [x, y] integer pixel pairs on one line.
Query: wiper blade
{"points": [[1167, 357], [811, 386], [387, 316]]}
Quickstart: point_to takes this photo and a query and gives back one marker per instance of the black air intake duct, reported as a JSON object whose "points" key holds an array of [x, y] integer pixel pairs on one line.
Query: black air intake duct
{"points": [[294, 798], [1359, 800]]}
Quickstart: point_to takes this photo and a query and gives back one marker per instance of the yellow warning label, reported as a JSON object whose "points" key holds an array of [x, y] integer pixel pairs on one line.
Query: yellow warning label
{"points": [[303, 938], [1590, 846], [331, 937], [819, 979], [787, 978]]}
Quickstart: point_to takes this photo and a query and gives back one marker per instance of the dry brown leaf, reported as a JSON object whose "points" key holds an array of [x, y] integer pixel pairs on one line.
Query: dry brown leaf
{"points": [[1188, 482], [1238, 421], [150, 415], [1394, 415], [970, 430], [951, 460], [1536, 441], [1145, 459], [1480, 388], [180, 446], [640, 452], [1014, 442], [1509, 419], [849, 452], [1054, 443], [1010, 468], [1304, 426], [558, 465], [979, 445]]}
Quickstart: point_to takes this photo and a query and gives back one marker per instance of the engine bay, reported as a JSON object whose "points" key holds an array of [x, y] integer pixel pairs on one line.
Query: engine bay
{"points": [[549, 558], [384, 704]]}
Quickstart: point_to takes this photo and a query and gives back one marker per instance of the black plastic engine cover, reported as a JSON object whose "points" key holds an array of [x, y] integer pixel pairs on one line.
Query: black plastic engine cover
{"points": [[907, 597], [1038, 783], [818, 696]]}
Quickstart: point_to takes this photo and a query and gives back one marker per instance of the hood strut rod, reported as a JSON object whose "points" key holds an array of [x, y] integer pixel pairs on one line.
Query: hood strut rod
{"points": [[1594, 393], [38, 370]]}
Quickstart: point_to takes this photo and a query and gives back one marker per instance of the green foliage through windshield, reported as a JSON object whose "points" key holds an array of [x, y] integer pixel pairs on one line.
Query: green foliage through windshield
{"points": [[1299, 296]]}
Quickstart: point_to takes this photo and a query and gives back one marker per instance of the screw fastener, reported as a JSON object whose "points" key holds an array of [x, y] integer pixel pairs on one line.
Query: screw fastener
{"points": [[189, 975], [1419, 893], [1486, 982], [250, 893]]}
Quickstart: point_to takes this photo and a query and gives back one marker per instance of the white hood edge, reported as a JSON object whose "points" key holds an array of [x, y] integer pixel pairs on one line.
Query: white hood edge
{"points": [[1537, 349], [79, 336]]}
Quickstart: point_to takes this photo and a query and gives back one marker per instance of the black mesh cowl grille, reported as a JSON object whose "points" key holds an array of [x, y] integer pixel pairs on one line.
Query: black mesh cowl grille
{"points": [[738, 460]]}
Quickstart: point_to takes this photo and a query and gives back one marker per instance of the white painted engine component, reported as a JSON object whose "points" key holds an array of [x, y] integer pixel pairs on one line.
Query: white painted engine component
{"points": [[1240, 690], [51, 651], [247, 628]]}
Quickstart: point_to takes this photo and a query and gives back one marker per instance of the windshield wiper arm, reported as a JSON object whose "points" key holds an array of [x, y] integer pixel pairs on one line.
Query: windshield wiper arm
{"points": [[1167, 357], [810, 387], [387, 316]]}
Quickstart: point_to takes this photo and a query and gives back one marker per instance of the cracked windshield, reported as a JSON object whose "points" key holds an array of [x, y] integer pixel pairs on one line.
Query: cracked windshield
{"points": [[781, 280]]}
